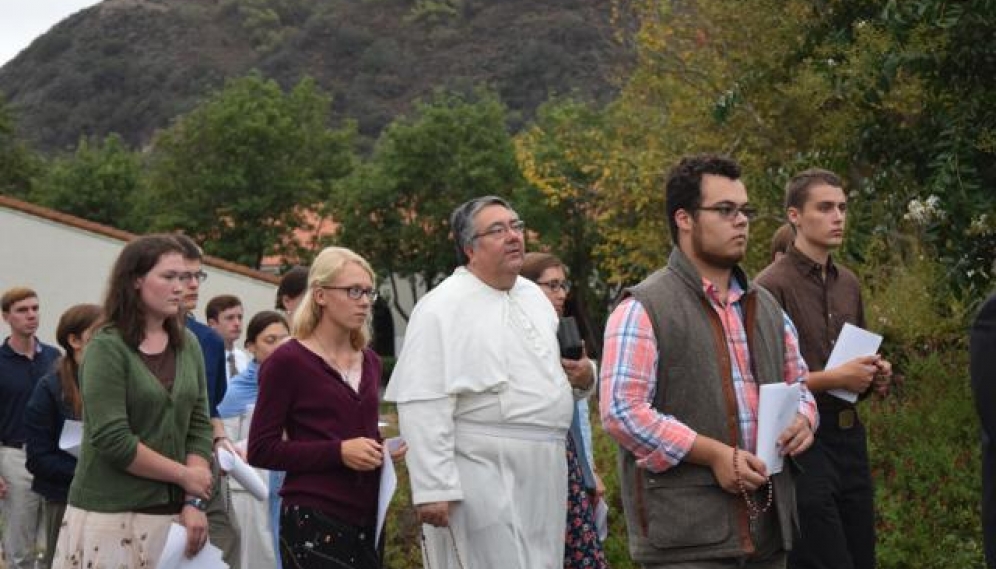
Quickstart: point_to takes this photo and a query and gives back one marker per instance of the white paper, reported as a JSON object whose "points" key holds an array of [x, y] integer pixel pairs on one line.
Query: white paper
{"points": [[242, 473], [853, 342], [778, 406], [602, 519], [388, 483], [209, 557], [71, 437]]}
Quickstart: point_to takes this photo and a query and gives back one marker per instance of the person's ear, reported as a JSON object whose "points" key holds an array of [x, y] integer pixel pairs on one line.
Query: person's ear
{"points": [[793, 214], [76, 341], [683, 219]]}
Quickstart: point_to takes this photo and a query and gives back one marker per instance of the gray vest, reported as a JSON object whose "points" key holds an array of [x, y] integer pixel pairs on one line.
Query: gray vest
{"points": [[683, 514]]}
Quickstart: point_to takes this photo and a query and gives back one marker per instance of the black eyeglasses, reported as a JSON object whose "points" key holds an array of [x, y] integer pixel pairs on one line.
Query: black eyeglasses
{"points": [[201, 276], [502, 231], [355, 292], [555, 285], [729, 211]]}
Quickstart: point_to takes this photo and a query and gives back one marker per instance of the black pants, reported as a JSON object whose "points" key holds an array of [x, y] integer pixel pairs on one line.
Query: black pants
{"points": [[310, 539], [836, 502]]}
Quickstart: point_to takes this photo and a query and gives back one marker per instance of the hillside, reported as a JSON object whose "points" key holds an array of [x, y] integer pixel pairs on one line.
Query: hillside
{"points": [[129, 66]]}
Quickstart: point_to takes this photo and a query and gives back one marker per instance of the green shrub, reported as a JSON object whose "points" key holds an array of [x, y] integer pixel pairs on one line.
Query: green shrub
{"points": [[924, 447], [923, 438]]}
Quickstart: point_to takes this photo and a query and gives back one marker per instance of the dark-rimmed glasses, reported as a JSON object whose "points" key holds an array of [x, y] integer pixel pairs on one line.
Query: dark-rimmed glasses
{"points": [[355, 292], [555, 285], [502, 231], [729, 211], [185, 278]]}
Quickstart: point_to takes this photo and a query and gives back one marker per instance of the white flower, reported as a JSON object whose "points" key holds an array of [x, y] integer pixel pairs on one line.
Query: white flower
{"points": [[923, 212], [980, 226]]}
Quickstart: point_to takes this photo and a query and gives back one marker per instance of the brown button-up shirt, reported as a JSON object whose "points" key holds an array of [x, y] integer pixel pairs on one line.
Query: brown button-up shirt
{"points": [[818, 306]]}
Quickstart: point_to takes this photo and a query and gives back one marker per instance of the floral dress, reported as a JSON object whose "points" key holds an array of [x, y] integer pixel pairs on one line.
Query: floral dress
{"points": [[583, 549]]}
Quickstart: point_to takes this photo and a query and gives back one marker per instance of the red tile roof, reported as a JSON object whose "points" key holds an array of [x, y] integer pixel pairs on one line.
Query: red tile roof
{"points": [[114, 233]]}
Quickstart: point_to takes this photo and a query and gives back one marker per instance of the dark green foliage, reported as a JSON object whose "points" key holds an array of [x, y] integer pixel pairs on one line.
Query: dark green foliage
{"points": [[240, 171], [396, 209], [944, 143], [925, 457], [18, 164], [99, 182]]}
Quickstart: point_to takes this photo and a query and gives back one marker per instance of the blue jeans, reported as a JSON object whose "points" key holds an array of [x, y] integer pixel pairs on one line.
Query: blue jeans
{"points": [[276, 483]]}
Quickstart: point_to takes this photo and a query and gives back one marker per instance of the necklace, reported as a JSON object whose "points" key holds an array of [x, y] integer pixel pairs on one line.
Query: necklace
{"points": [[342, 370]]}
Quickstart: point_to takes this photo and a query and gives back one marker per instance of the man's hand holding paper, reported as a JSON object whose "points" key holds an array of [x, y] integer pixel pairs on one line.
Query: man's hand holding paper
{"points": [[796, 438], [856, 375], [858, 349]]}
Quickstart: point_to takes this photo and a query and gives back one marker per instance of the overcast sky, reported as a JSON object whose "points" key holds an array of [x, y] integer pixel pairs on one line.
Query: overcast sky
{"points": [[21, 21]]}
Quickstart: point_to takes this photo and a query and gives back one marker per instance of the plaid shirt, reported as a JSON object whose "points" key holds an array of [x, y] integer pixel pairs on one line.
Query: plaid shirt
{"points": [[629, 381]]}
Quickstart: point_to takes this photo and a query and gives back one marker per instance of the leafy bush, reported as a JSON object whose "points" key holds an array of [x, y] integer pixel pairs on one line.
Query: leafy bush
{"points": [[924, 448], [924, 437]]}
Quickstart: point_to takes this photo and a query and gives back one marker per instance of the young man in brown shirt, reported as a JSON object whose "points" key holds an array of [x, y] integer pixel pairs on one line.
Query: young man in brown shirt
{"points": [[835, 492]]}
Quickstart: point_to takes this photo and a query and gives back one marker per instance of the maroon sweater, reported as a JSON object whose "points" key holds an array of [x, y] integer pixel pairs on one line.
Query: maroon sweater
{"points": [[301, 394]]}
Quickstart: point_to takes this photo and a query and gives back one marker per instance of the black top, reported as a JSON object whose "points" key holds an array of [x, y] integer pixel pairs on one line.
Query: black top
{"points": [[983, 368], [18, 376]]}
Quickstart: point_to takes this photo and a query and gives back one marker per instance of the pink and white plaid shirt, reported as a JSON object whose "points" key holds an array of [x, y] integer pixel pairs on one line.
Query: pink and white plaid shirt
{"points": [[629, 381]]}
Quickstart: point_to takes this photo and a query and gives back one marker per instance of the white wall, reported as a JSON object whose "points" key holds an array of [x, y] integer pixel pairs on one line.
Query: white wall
{"points": [[67, 265]]}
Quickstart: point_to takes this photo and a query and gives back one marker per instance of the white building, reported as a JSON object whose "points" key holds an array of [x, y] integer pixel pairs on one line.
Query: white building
{"points": [[67, 260]]}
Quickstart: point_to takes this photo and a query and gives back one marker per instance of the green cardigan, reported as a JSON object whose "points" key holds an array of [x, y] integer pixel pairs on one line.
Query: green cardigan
{"points": [[123, 403]]}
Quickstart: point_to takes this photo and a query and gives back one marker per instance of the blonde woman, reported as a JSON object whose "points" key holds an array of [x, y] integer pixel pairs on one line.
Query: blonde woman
{"points": [[320, 389]]}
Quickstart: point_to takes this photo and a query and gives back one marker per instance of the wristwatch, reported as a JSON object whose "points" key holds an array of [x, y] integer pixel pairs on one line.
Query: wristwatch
{"points": [[197, 503]]}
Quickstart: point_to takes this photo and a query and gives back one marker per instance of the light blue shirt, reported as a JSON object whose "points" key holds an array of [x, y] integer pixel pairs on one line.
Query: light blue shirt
{"points": [[242, 391]]}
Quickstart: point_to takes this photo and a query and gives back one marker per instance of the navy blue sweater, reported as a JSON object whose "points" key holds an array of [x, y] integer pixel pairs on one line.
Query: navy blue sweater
{"points": [[44, 417], [213, 348], [18, 376]]}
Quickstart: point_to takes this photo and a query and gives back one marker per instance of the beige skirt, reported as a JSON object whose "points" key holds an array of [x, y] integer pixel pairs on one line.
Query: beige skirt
{"points": [[97, 540]]}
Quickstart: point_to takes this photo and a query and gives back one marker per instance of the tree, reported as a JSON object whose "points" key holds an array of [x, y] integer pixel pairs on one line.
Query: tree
{"points": [[561, 156], [18, 164], [395, 210], [896, 96], [241, 171], [99, 182]]}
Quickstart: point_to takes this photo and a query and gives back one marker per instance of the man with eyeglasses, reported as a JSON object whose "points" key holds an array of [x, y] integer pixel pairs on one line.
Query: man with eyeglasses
{"points": [[223, 530], [485, 405], [836, 505], [685, 353]]}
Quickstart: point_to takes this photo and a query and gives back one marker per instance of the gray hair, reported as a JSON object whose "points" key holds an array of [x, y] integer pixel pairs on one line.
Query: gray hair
{"points": [[462, 222]]}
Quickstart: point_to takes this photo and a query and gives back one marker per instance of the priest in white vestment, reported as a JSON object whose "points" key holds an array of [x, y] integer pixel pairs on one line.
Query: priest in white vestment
{"points": [[484, 405]]}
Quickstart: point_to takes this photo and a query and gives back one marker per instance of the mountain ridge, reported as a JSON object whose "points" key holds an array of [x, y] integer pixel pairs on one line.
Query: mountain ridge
{"points": [[131, 66]]}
